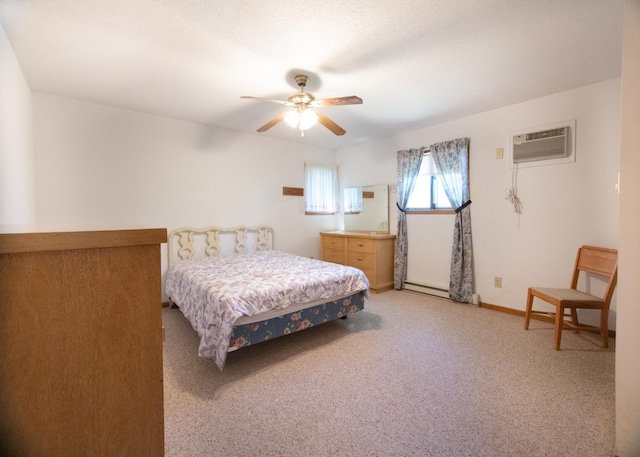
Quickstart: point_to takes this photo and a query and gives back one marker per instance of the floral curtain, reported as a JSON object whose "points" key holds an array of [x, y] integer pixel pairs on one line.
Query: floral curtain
{"points": [[408, 168], [452, 163]]}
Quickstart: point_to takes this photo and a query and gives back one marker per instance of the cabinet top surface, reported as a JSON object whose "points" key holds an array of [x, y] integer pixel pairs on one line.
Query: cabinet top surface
{"points": [[373, 235], [19, 239]]}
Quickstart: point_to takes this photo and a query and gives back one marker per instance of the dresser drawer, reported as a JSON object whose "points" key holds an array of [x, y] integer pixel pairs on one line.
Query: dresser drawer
{"points": [[333, 242], [361, 260], [361, 245], [334, 255]]}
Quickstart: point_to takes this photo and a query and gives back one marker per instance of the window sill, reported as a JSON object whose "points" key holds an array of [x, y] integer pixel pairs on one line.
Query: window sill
{"points": [[431, 211], [319, 214]]}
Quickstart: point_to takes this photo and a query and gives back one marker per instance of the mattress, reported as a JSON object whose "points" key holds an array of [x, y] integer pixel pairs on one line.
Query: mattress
{"points": [[214, 292]]}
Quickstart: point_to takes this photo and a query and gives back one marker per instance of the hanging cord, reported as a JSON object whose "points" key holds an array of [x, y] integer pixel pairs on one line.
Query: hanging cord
{"points": [[512, 194]]}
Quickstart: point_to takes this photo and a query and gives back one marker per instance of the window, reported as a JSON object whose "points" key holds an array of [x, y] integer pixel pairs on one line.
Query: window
{"points": [[428, 193], [353, 203], [320, 189]]}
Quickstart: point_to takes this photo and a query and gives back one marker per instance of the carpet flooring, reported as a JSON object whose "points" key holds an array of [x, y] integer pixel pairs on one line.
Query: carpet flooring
{"points": [[410, 375]]}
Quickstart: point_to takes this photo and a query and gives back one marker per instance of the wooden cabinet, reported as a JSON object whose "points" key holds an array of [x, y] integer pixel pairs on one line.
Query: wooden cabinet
{"points": [[81, 343], [373, 254]]}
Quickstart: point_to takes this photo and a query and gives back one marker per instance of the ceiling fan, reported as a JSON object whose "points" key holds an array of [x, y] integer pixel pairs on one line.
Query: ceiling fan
{"points": [[304, 116]]}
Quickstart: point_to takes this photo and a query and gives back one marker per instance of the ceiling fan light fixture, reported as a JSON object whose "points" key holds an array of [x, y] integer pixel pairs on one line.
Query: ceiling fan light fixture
{"points": [[308, 120], [292, 118], [303, 121]]}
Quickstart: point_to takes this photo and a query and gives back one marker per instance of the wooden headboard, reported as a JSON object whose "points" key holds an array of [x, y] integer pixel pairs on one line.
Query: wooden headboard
{"points": [[192, 243]]}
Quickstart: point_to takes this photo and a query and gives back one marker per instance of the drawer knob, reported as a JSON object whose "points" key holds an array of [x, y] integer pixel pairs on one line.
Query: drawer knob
{"points": [[359, 259]]}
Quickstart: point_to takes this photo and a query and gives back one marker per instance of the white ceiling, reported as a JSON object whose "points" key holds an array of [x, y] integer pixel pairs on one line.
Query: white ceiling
{"points": [[413, 62]]}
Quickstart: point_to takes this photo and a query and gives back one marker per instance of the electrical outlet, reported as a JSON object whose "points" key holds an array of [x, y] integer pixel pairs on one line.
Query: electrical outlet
{"points": [[497, 282], [499, 153]]}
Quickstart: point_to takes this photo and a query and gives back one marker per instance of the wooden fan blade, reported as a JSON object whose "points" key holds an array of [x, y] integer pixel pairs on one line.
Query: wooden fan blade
{"points": [[282, 102], [340, 101], [328, 123], [271, 123]]}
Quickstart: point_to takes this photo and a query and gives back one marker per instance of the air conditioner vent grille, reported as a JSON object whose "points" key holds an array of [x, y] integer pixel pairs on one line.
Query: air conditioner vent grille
{"points": [[546, 134], [540, 145]]}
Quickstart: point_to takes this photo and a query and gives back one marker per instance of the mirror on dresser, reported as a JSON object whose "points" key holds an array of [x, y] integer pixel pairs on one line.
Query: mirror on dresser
{"points": [[366, 209]]}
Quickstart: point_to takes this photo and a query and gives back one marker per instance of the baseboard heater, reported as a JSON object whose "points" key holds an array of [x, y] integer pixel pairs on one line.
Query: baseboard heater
{"points": [[426, 289]]}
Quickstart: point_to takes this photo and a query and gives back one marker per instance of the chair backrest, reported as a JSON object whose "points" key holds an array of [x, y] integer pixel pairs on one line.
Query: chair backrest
{"points": [[599, 261]]}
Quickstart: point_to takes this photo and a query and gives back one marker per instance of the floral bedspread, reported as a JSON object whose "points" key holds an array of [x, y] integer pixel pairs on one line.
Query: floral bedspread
{"points": [[213, 292]]}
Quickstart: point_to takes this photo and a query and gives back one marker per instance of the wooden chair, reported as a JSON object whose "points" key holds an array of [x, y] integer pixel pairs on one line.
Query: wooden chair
{"points": [[594, 260]]}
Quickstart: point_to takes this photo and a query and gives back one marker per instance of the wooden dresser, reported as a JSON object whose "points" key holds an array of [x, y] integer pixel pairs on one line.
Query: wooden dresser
{"points": [[81, 342], [373, 254]]}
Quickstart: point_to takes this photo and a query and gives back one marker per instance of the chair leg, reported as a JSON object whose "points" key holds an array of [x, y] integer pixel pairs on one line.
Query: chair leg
{"points": [[558, 329], [574, 317], [604, 328], [527, 315]]}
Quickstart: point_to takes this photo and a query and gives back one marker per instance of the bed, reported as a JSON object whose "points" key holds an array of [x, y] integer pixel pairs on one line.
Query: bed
{"points": [[236, 290]]}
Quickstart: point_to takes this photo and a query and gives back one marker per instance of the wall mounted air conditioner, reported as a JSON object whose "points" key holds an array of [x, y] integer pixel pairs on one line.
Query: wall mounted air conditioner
{"points": [[547, 145], [543, 145]]}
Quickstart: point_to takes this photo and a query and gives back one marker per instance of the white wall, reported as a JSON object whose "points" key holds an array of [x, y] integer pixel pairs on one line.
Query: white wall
{"points": [[628, 336], [565, 205], [17, 188], [101, 165]]}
